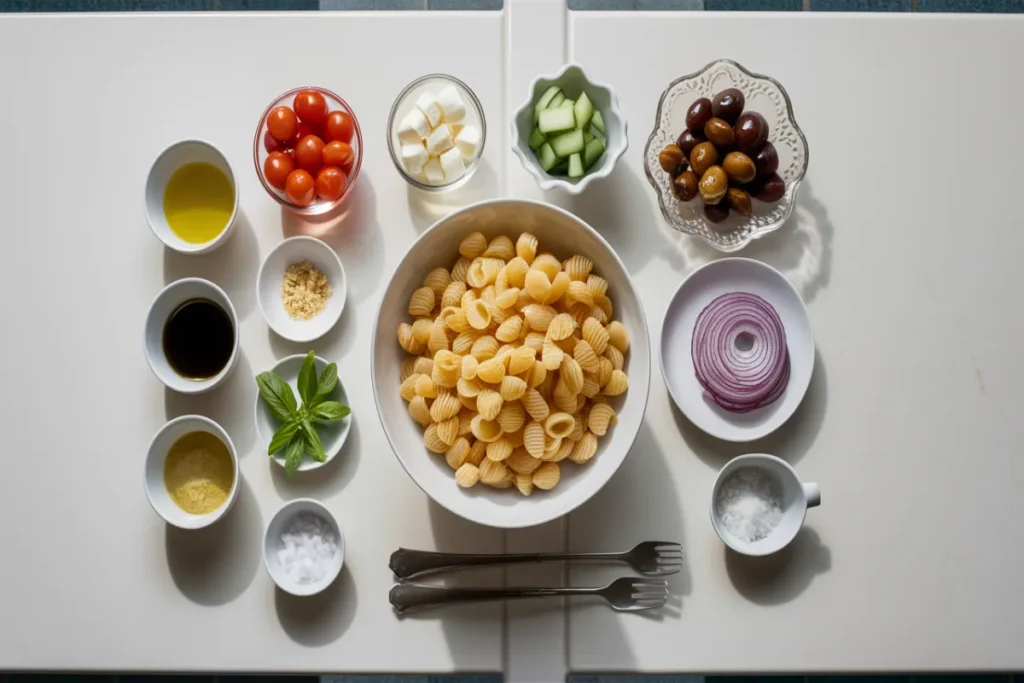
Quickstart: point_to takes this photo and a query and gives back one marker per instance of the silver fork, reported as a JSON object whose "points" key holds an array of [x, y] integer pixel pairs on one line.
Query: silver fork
{"points": [[651, 558], [625, 595]]}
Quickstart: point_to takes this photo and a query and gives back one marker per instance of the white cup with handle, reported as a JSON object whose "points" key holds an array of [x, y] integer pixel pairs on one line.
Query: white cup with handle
{"points": [[771, 529]]}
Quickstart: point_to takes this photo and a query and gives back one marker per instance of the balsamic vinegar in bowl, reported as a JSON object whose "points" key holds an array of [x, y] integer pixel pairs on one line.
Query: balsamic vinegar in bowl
{"points": [[198, 339]]}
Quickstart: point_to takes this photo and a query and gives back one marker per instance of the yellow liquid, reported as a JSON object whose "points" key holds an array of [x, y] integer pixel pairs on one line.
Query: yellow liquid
{"points": [[198, 473], [198, 202]]}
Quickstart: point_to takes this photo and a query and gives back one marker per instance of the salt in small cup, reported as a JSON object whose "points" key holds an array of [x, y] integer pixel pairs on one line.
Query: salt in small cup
{"points": [[272, 543], [796, 497]]}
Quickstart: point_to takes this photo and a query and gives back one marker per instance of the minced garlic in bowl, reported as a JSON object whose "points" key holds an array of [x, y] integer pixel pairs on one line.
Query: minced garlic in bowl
{"points": [[304, 291]]}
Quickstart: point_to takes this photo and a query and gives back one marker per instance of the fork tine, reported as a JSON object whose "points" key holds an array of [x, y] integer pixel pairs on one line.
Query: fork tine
{"points": [[669, 556], [658, 545]]}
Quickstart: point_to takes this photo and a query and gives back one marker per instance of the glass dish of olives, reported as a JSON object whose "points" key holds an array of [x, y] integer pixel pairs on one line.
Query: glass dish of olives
{"points": [[726, 155]]}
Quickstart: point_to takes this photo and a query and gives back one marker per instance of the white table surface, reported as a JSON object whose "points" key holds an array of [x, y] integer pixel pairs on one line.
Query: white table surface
{"points": [[91, 577], [904, 245]]}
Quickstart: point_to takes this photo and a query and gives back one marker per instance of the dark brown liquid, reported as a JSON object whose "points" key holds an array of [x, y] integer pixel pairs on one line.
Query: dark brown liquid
{"points": [[198, 339]]}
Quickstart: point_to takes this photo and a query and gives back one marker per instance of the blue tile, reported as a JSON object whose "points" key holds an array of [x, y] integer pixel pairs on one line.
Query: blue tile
{"points": [[485, 5], [755, 5], [640, 5], [992, 6], [379, 5], [265, 5], [861, 5]]}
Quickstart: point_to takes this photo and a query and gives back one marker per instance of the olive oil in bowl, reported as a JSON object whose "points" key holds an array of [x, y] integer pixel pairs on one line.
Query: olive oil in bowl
{"points": [[198, 339], [199, 201]]}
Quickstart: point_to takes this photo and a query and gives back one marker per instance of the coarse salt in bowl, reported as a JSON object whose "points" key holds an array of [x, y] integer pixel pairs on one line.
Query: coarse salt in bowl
{"points": [[273, 543]]}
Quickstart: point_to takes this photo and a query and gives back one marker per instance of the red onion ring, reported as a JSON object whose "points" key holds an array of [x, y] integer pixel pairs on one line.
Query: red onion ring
{"points": [[740, 380]]}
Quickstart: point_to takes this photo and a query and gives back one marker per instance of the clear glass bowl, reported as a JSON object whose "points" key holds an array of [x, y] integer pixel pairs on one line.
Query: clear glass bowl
{"points": [[406, 100], [764, 95], [259, 152]]}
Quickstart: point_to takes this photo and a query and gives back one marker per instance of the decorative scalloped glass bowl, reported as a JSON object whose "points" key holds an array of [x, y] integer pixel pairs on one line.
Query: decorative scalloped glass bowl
{"points": [[764, 95]]}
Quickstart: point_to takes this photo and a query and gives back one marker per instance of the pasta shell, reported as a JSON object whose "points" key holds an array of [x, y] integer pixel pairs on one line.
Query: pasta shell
{"points": [[617, 335], [468, 402], [470, 365], [491, 371], [511, 417], [572, 374], [605, 304], [463, 343], [507, 298], [539, 317], [432, 441], [551, 447], [419, 411], [515, 438], [600, 418], [595, 335], [613, 354], [477, 452], [565, 448], [546, 476], [408, 388], [578, 429], [478, 314], [445, 406], [501, 282], [407, 341], [604, 371], [457, 321], [547, 264], [500, 247], [421, 302], [438, 280], [599, 315], [499, 450], [559, 286], [438, 338], [460, 269], [578, 267], [488, 404], [538, 286], [516, 269], [509, 330], [425, 387], [522, 462], [534, 439], [513, 388], [521, 360], [423, 366], [597, 285], [559, 425], [467, 475], [535, 405], [453, 294], [487, 431], [552, 355], [617, 384], [465, 422], [526, 247], [492, 472], [472, 245], [591, 388], [584, 449], [535, 341], [408, 368], [524, 482], [580, 312], [421, 329], [537, 375], [561, 327], [484, 348], [584, 354], [468, 387], [564, 399], [579, 293], [457, 453]]}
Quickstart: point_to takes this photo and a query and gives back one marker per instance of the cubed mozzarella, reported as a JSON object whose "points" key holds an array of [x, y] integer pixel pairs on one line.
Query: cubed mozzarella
{"points": [[439, 141], [451, 104], [452, 164], [468, 141], [428, 105]]}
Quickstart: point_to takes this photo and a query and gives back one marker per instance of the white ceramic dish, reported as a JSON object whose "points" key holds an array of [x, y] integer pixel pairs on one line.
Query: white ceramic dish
{"points": [[796, 498], [406, 101], [166, 302], [572, 80], [272, 543], [156, 490], [169, 161], [563, 234], [695, 293], [333, 435], [268, 287]]}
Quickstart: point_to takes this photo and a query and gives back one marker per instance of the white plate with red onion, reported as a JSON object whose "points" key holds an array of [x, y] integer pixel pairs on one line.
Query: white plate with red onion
{"points": [[737, 350]]}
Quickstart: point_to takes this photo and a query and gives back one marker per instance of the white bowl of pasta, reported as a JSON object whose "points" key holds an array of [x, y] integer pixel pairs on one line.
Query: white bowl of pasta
{"points": [[511, 362]]}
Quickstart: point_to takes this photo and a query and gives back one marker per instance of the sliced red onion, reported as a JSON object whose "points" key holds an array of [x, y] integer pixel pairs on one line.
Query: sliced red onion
{"points": [[740, 380]]}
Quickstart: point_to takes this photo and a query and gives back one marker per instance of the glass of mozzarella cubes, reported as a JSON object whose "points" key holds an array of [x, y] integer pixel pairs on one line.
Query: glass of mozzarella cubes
{"points": [[436, 132]]}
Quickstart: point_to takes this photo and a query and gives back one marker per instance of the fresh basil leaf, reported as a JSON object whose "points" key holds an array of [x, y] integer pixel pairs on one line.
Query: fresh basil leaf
{"points": [[314, 446], [328, 381], [277, 396], [293, 454], [283, 435], [307, 380], [329, 411]]}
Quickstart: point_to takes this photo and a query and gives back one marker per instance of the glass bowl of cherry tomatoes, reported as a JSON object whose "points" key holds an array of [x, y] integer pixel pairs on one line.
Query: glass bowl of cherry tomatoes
{"points": [[308, 149]]}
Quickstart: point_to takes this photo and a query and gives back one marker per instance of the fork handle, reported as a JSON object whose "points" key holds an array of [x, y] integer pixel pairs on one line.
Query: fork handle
{"points": [[415, 597], [407, 564]]}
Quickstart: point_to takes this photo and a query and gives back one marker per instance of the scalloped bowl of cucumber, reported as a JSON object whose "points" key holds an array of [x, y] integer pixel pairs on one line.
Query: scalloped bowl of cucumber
{"points": [[570, 131]]}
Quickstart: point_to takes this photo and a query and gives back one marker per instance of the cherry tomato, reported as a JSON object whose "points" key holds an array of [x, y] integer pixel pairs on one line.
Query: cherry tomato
{"points": [[311, 107], [300, 188], [309, 153], [282, 124], [330, 183], [277, 167], [339, 126], [308, 129], [339, 154], [271, 144]]}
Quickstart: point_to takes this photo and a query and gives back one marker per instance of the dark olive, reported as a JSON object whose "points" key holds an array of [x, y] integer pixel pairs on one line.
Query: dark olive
{"points": [[688, 140], [685, 186], [739, 167], [698, 114], [716, 213], [739, 201], [728, 105], [767, 160], [751, 132], [769, 189], [713, 185], [719, 132], [703, 157]]}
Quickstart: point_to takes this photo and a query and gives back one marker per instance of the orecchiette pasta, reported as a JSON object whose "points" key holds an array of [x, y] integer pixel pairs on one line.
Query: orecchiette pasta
{"points": [[515, 362]]}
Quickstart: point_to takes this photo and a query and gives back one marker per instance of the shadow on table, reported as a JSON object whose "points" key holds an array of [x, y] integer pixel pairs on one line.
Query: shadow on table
{"points": [[426, 208], [778, 578], [215, 565], [790, 442], [318, 620], [351, 230], [333, 346], [222, 405], [323, 482], [801, 249], [233, 266]]}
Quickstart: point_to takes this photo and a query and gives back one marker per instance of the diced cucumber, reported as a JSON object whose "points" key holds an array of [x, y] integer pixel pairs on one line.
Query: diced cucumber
{"points": [[536, 139], [556, 121], [546, 156], [575, 166], [592, 152], [545, 100], [568, 143], [556, 101], [597, 134], [569, 103], [560, 168], [584, 111], [598, 121], [588, 136]]}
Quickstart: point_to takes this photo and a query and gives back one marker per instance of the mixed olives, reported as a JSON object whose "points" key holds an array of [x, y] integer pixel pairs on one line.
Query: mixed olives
{"points": [[724, 157]]}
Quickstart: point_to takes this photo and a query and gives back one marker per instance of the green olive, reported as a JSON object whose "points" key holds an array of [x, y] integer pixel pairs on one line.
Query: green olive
{"points": [[739, 167], [703, 157], [713, 185]]}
